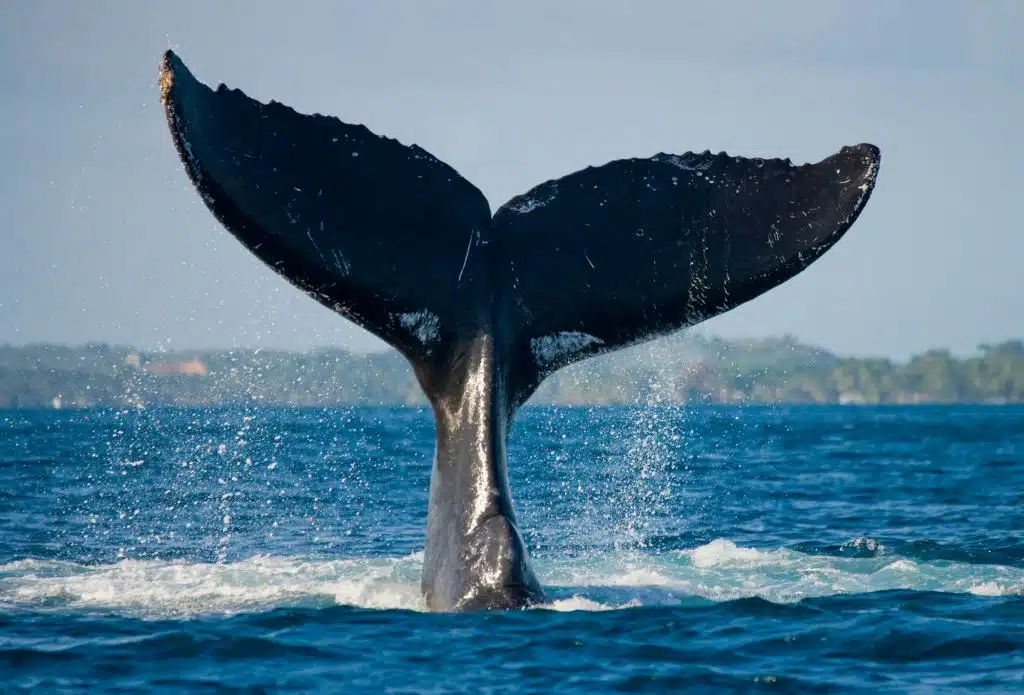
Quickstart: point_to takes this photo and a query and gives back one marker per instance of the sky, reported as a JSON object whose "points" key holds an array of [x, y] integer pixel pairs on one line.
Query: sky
{"points": [[105, 240]]}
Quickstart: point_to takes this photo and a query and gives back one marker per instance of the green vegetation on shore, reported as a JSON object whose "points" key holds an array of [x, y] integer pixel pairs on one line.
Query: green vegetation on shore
{"points": [[683, 368]]}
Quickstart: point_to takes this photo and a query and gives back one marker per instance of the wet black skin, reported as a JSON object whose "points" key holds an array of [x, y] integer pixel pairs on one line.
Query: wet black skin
{"points": [[474, 555], [486, 306]]}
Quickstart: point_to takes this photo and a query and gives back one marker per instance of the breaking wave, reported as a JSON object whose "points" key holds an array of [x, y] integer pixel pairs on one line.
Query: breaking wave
{"points": [[717, 571]]}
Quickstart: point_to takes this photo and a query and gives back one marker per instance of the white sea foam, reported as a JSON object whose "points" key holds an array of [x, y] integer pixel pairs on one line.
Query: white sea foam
{"points": [[582, 603], [996, 589], [723, 552], [152, 588], [718, 571], [722, 571]]}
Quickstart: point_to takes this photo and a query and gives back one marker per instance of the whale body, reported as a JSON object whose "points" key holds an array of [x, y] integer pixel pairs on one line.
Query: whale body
{"points": [[486, 305]]}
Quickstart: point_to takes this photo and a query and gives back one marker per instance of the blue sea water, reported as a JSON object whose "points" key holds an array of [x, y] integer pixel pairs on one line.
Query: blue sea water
{"points": [[258, 549]]}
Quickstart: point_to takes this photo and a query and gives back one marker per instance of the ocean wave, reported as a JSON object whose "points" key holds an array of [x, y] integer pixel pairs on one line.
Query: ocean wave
{"points": [[716, 571]]}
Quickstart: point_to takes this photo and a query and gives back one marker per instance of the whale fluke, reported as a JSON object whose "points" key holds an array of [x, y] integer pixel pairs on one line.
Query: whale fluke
{"points": [[642, 247], [373, 229], [486, 307]]}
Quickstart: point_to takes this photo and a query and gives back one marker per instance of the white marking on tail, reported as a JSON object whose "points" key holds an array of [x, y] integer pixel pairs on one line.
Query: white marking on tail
{"points": [[422, 324], [552, 349], [340, 262], [465, 260], [526, 203]]}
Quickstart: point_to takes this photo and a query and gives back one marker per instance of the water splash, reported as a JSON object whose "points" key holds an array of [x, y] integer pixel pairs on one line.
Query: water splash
{"points": [[717, 571], [654, 442]]}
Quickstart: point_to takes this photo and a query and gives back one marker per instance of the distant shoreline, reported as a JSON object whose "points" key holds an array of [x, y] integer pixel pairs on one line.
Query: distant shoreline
{"points": [[687, 369]]}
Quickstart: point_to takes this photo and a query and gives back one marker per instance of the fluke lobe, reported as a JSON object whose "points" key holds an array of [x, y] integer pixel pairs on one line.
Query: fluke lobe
{"points": [[486, 306]]}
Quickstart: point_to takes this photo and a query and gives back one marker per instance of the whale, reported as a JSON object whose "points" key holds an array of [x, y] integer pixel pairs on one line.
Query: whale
{"points": [[486, 305]]}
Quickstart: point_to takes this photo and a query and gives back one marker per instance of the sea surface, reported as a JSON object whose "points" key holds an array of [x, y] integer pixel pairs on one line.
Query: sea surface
{"points": [[720, 549]]}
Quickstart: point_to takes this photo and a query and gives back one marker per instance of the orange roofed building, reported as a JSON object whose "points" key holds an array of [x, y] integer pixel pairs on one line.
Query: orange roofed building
{"points": [[188, 368]]}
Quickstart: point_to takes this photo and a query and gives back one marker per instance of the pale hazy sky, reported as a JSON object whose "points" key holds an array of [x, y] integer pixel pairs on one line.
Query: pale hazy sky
{"points": [[103, 238]]}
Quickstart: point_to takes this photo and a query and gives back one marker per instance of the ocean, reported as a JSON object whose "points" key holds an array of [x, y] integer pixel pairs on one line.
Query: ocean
{"points": [[720, 549]]}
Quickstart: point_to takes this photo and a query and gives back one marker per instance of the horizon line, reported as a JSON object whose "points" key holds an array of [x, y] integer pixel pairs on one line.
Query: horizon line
{"points": [[385, 349]]}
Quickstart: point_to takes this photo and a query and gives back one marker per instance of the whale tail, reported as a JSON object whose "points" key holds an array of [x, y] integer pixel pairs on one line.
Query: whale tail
{"points": [[397, 241]]}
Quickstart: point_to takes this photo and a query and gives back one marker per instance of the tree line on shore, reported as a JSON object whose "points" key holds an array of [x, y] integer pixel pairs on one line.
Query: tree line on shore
{"points": [[682, 368]]}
